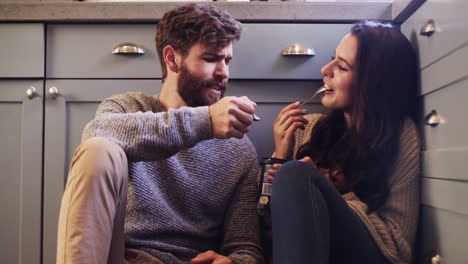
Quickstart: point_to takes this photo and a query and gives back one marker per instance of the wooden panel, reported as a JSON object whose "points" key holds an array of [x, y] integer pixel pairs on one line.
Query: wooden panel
{"points": [[445, 232], [452, 32], [258, 54], [85, 51], [22, 50], [21, 173], [10, 153]]}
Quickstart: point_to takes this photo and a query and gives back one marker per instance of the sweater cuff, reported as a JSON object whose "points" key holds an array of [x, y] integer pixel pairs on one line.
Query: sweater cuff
{"points": [[201, 123]]}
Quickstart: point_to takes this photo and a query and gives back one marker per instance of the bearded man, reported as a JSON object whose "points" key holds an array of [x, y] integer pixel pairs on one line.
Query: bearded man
{"points": [[168, 178]]}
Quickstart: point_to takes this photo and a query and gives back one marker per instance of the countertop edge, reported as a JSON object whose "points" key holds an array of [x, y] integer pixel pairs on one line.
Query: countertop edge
{"points": [[152, 12]]}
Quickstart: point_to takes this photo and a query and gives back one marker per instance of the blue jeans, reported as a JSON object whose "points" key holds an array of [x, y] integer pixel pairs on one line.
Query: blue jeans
{"points": [[313, 224]]}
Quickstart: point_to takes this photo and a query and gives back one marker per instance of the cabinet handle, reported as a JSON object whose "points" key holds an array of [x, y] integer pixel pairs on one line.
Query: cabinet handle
{"points": [[53, 92], [436, 259], [432, 119], [297, 49], [128, 48], [429, 28], [432, 257], [31, 92]]}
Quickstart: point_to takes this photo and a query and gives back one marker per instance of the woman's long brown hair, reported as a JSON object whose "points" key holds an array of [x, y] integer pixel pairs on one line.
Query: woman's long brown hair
{"points": [[384, 96]]}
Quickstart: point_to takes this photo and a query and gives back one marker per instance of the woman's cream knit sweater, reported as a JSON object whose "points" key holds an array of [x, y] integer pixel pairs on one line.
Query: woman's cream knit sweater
{"points": [[393, 226]]}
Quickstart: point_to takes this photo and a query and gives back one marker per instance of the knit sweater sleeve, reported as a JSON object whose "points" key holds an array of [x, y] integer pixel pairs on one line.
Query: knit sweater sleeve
{"points": [[146, 133], [241, 240], [301, 136], [393, 226]]}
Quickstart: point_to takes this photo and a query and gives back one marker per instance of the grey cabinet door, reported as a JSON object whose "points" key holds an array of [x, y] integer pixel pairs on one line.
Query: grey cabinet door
{"points": [[21, 171], [22, 50], [65, 118]]}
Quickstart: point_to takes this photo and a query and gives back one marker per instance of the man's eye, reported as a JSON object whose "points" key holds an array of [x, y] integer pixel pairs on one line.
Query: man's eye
{"points": [[227, 61], [210, 59], [332, 58]]}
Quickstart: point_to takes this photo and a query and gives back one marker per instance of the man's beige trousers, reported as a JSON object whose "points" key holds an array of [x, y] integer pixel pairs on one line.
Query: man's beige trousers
{"points": [[92, 214]]}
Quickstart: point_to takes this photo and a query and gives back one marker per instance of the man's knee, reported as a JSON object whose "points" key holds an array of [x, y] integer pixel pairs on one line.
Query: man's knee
{"points": [[99, 156]]}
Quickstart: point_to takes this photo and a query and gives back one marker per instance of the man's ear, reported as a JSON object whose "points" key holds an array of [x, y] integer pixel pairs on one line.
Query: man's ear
{"points": [[172, 58]]}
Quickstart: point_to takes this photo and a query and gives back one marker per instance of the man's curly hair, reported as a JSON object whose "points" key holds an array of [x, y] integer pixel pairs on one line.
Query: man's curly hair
{"points": [[189, 24]]}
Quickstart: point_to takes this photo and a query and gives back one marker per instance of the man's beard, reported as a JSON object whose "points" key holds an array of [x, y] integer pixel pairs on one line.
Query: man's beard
{"points": [[193, 89]]}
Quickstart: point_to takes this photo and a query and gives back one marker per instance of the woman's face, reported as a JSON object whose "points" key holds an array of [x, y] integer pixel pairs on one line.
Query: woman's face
{"points": [[340, 75]]}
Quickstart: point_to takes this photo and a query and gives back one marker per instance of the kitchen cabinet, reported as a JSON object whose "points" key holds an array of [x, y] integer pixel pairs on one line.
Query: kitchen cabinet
{"points": [[65, 117], [444, 86], [21, 171], [21, 115]]}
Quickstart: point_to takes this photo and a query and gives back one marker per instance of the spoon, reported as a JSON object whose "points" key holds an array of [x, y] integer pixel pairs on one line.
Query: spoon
{"points": [[255, 117], [320, 90]]}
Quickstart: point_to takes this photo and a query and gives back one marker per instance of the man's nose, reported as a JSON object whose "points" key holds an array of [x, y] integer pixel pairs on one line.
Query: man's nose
{"points": [[222, 70]]}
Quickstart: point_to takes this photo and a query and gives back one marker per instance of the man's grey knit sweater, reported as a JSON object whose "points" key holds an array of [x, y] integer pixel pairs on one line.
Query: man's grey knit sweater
{"points": [[188, 192]]}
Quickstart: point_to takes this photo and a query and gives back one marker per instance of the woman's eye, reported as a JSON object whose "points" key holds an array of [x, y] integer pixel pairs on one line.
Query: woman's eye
{"points": [[342, 68], [332, 58]]}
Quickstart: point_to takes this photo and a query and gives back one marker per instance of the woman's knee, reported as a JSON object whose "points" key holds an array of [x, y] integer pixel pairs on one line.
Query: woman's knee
{"points": [[296, 171]]}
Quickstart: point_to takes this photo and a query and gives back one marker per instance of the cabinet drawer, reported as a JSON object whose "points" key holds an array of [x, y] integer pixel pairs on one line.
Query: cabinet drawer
{"points": [[85, 51], [258, 54], [451, 32], [444, 232], [445, 71], [450, 105], [22, 50], [445, 194]]}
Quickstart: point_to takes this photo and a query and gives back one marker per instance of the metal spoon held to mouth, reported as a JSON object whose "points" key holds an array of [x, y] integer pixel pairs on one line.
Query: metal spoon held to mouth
{"points": [[320, 90]]}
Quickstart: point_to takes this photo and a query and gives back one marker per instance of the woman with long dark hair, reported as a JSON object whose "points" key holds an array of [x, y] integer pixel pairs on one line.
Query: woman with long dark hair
{"points": [[351, 193]]}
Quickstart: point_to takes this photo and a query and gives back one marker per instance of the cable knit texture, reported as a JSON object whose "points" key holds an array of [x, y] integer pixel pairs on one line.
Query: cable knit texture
{"points": [[188, 193], [393, 226]]}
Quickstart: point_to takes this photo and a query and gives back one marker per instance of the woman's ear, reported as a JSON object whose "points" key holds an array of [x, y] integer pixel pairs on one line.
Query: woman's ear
{"points": [[171, 58]]}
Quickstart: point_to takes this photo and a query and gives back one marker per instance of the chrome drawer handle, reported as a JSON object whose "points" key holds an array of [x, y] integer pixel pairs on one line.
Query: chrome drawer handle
{"points": [[297, 49], [432, 257], [128, 48], [31, 92], [429, 28], [432, 119], [53, 92]]}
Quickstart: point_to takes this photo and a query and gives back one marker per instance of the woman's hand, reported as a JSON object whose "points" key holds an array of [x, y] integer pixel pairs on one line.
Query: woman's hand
{"points": [[288, 121], [272, 171], [309, 161], [334, 176]]}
